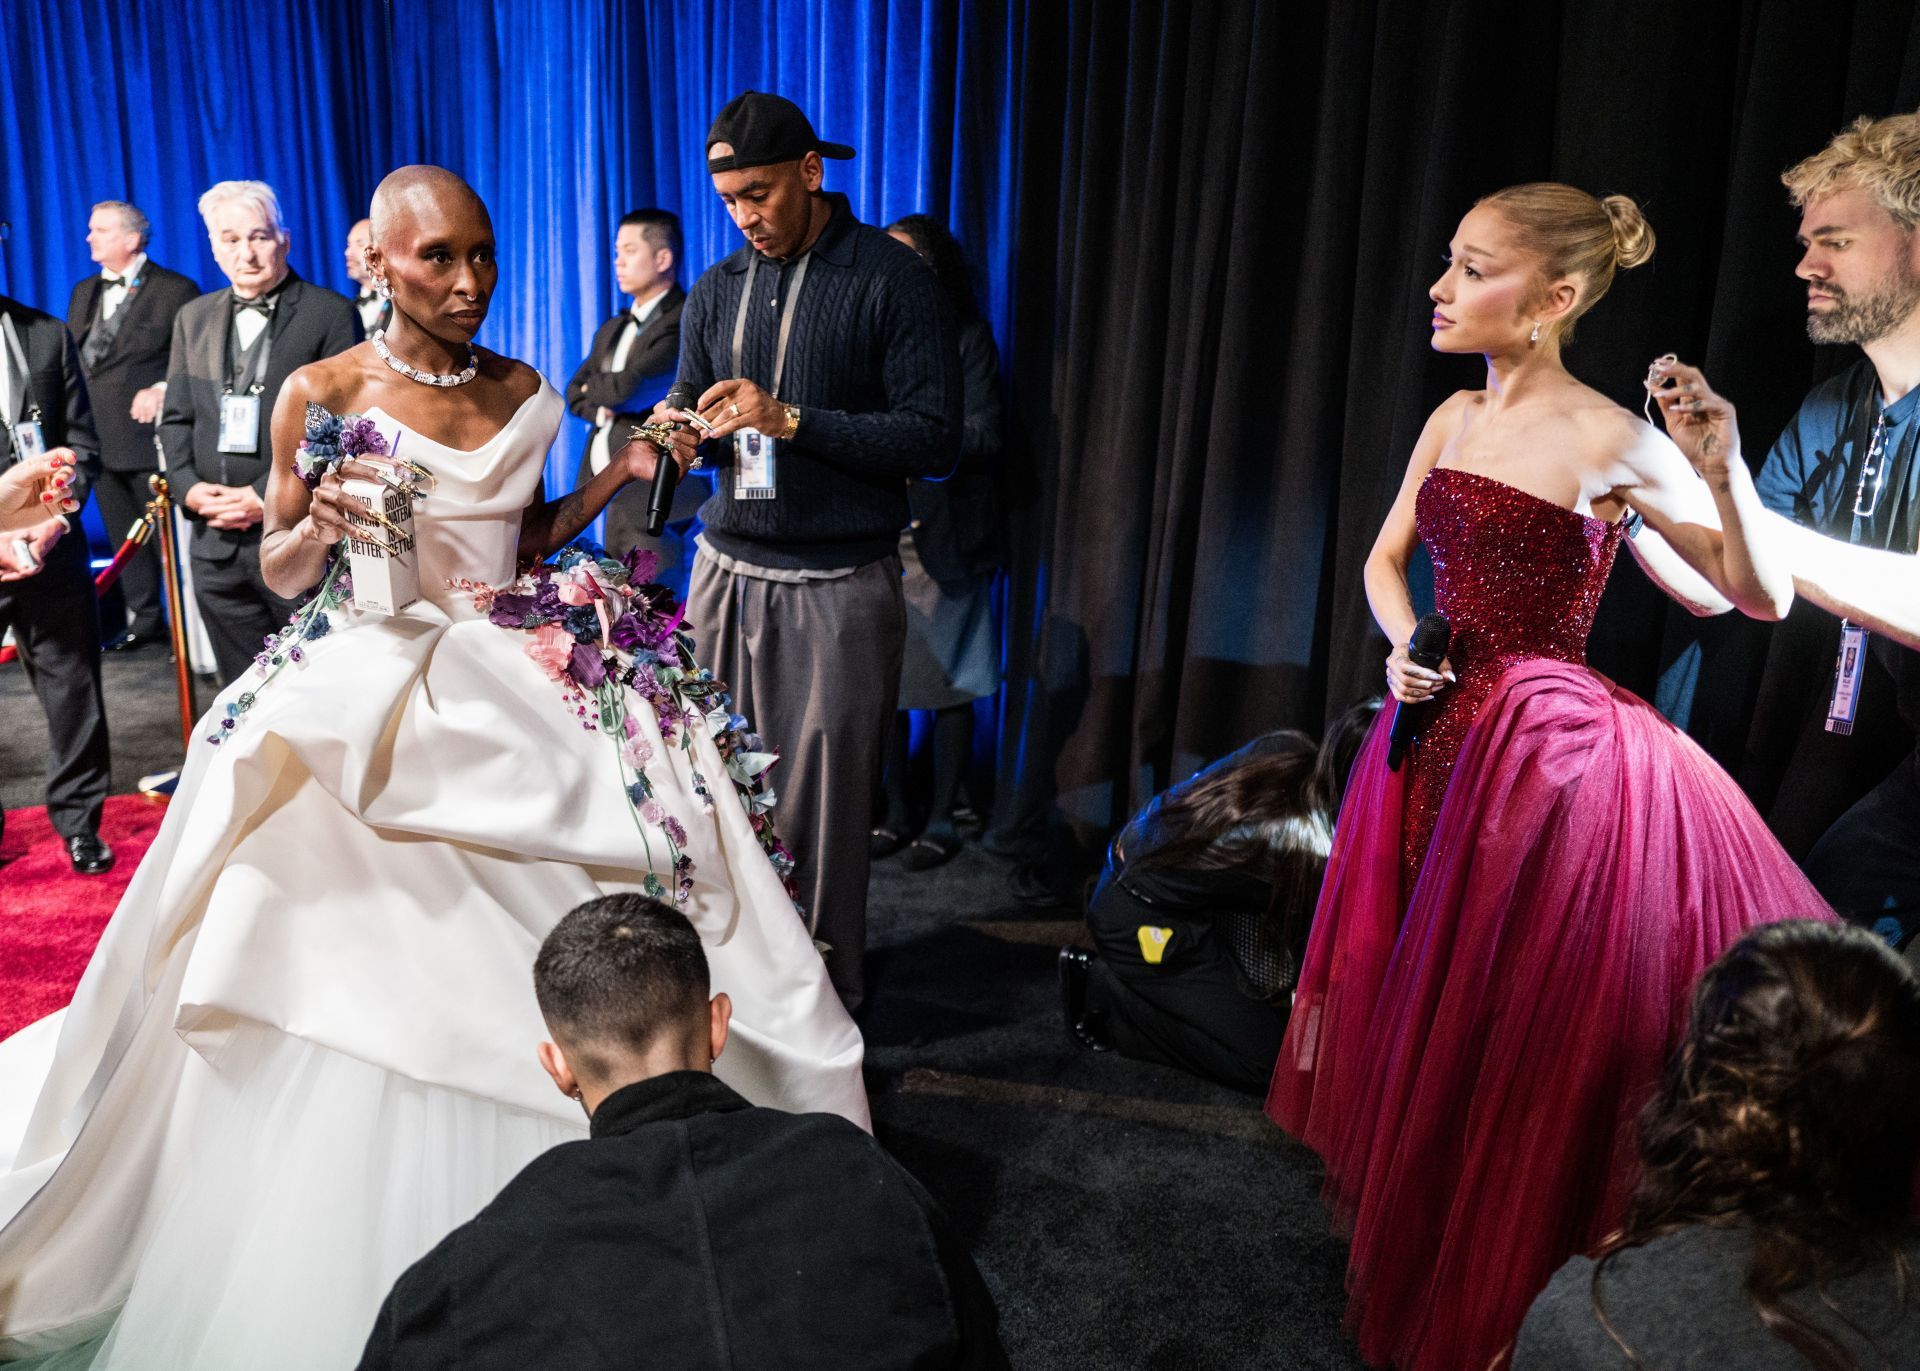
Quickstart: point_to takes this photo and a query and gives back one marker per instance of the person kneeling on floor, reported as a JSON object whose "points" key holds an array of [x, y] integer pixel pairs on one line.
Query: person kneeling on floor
{"points": [[691, 1229], [1202, 913]]}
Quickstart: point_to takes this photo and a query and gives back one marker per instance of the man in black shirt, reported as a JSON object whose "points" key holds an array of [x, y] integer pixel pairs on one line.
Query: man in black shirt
{"points": [[1846, 465], [690, 1223], [823, 355]]}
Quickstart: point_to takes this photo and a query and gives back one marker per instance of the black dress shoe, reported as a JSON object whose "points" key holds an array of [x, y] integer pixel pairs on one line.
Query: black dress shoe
{"points": [[1089, 1030], [131, 641], [932, 849], [90, 856]]}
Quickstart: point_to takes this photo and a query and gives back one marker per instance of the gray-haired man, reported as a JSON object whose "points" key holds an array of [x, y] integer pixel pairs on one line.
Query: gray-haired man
{"points": [[232, 351]]}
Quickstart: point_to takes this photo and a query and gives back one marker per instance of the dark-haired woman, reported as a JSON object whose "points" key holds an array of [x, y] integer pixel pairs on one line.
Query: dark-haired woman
{"points": [[1773, 1224], [949, 556], [1510, 923], [1201, 915]]}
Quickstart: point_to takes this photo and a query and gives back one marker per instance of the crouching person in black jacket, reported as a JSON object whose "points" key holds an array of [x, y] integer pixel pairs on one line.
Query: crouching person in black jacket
{"points": [[692, 1229], [1202, 913]]}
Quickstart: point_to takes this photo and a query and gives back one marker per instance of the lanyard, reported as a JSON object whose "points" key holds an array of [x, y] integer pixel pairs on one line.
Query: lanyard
{"points": [[253, 373], [786, 320], [17, 366]]}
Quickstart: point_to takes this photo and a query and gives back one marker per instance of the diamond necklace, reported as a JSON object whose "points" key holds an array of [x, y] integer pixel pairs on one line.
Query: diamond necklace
{"points": [[426, 378]]}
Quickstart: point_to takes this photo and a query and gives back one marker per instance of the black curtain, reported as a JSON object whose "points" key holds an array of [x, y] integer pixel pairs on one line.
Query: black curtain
{"points": [[1228, 216]]}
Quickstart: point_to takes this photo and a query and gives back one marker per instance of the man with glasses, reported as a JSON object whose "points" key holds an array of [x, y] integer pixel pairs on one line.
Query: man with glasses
{"points": [[232, 351], [1849, 797]]}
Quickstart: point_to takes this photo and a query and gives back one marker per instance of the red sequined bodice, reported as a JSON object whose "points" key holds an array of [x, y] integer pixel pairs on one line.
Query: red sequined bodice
{"points": [[1518, 577]]}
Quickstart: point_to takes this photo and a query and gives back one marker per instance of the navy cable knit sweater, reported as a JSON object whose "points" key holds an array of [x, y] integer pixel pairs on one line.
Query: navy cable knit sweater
{"points": [[875, 369]]}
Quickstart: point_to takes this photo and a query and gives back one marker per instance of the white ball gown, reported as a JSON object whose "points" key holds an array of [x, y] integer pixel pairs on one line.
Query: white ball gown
{"points": [[304, 1049]]}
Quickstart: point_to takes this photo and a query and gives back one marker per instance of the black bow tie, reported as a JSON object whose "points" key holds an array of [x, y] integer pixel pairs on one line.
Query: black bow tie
{"points": [[109, 282], [259, 302]]}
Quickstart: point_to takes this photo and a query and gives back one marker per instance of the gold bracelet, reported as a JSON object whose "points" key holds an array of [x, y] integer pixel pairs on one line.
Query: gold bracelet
{"points": [[793, 422]]}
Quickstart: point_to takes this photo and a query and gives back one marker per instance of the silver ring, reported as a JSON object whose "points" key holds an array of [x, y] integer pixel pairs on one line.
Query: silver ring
{"points": [[734, 409], [696, 463]]}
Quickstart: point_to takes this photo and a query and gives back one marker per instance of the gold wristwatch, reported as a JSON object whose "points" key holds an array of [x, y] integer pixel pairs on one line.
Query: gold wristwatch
{"points": [[793, 421]]}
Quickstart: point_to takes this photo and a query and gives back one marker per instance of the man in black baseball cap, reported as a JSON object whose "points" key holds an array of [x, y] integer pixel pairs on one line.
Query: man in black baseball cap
{"points": [[823, 358], [765, 161]]}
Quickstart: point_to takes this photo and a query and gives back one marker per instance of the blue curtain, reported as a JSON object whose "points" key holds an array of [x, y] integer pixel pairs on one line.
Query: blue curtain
{"points": [[563, 114]]}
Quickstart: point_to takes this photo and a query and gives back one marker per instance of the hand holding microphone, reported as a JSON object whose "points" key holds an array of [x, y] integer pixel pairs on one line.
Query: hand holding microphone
{"points": [[1416, 673], [675, 443]]}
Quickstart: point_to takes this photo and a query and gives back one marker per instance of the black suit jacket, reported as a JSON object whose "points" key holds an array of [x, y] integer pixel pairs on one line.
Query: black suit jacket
{"points": [[653, 360], [137, 359], [309, 323], [66, 419]]}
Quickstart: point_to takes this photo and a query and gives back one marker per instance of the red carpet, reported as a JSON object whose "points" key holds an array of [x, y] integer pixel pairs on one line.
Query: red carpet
{"points": [[50, 918]]}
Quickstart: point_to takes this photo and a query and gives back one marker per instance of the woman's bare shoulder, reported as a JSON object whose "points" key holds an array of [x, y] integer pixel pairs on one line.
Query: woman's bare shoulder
{"points": [[521, 380], [334, 382]]}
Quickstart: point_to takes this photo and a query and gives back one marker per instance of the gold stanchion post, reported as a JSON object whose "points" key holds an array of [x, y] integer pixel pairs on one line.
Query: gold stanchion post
{"points": [[160, 513]]}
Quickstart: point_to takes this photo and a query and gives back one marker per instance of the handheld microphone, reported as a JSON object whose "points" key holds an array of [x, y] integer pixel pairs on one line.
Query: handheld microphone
{"points": [[1428, 648], [667, 474]]}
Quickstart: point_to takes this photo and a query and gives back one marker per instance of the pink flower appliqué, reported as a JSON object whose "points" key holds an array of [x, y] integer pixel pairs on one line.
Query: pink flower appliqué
{"points": [[551, 650]]}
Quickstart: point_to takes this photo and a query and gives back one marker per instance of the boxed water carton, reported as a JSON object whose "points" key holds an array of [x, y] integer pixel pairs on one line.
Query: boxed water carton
{"points": [[381, 558]]}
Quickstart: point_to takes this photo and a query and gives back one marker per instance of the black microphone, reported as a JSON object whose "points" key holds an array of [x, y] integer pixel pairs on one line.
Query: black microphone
{"points": [[667, 474], [1431, 637]]}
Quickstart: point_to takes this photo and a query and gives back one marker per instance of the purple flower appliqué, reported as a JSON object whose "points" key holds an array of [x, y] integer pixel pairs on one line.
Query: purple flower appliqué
{"points": [[587, 666], [628, 632], [641, 564], [511, 611], [361, 438]]}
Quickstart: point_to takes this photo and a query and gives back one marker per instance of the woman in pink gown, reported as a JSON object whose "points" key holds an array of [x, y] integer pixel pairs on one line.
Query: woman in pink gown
{"points": [[1511, 922]]}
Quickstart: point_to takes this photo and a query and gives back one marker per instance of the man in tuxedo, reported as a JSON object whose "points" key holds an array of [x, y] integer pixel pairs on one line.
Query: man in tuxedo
{"points": [[46, 582], [121, 319], [632, 363], [232, 351], [373, 309]]}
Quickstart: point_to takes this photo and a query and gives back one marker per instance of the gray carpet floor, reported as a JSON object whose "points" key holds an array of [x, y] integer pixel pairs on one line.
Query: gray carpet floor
{"points": [[1124, 1215]]}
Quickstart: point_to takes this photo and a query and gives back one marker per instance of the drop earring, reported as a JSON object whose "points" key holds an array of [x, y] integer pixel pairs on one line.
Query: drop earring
{"points": [[1533, 339], [385, 292]]}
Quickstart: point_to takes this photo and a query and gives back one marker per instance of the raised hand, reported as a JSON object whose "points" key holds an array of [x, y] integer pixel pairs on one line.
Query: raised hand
{"points": [[1701, 422], [36, 490]]}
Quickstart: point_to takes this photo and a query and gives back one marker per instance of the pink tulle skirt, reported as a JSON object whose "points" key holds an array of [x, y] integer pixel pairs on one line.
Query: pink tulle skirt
{"points": [[1470, 1073]]}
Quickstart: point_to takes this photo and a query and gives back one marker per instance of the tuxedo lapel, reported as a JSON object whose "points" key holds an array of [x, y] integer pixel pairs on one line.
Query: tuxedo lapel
{"points": [[606, 340], [90, 293], [210, 348]]}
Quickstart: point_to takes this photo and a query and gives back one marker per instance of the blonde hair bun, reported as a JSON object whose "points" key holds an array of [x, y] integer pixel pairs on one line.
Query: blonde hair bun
{"points": [[1632, 234]]}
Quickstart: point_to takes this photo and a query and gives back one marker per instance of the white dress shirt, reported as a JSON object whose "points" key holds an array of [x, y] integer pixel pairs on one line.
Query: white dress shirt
{"points": [[600, 450], [115, 295], [247, 324]]}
